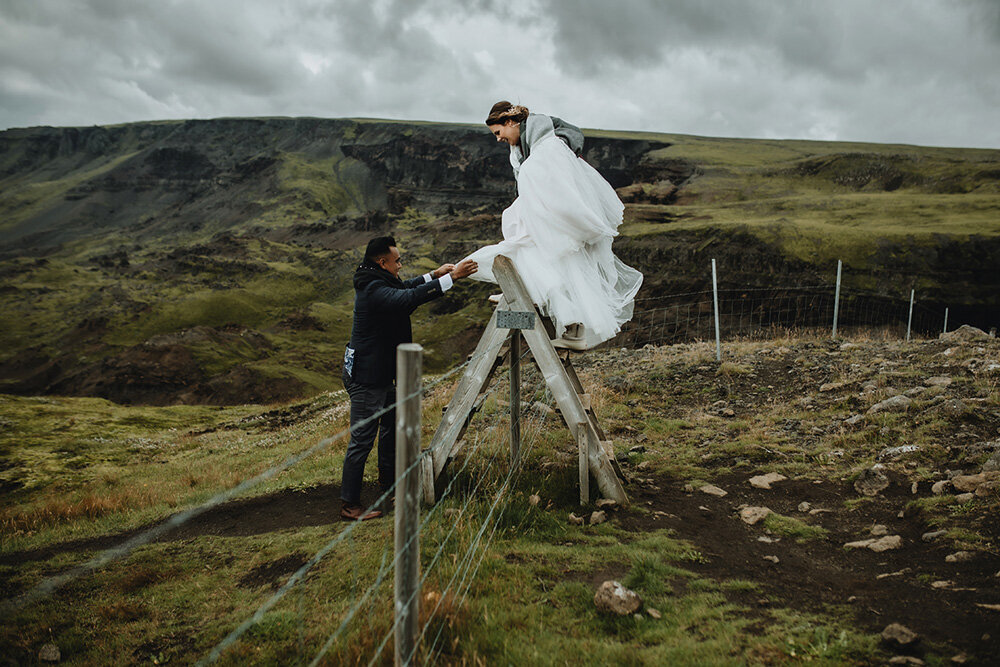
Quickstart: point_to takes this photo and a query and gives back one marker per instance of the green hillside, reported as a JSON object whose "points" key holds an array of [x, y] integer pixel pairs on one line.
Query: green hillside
{"points": [[210, 261]]}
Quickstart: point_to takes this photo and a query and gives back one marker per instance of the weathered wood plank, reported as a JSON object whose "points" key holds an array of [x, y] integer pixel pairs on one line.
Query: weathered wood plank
{"points": [[558, 381], [583, 444], [474, 380]]}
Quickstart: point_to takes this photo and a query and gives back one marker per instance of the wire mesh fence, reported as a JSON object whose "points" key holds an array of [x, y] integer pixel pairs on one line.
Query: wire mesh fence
{"points": [[344, 582], [759, 313]]}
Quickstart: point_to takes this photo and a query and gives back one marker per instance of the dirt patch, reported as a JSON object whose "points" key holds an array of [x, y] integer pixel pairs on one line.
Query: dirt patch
{"points": [[820, 573], [273, 573], [283, 510]]}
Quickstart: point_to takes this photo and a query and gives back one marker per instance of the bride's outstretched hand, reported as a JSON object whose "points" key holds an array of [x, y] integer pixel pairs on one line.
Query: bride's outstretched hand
{"points": [[464, 268]]}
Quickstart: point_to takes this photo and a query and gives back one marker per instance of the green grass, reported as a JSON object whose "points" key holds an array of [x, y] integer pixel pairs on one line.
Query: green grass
{"points": [[796, 529], [94, 469]]}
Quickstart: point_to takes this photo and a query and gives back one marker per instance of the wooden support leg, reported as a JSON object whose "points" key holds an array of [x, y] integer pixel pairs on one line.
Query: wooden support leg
{"points": [[558, 381], [583, 444], [477, 376]]}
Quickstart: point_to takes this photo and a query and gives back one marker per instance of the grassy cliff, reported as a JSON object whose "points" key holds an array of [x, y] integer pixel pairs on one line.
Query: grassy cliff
{"points": [[210, 261]]}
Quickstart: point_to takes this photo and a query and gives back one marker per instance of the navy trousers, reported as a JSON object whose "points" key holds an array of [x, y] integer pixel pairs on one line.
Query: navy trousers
{"points": [[365, 402]]}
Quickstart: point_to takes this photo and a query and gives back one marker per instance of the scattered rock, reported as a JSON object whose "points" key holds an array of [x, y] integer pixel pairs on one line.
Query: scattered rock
{"points": [[773, 559], [879, 545], [938, 381], [992, 463], [767, 539], [832, 386], [940, 488], [638, 449], [960, 557], [891, 404], [960, 658], [607, 503], [49, 653], [878, 530], [899, 635], [943, 583], [887, 543], [689, 488], [598, 518], [752, 515], [712, 490], [987, 488], [897, 573], [871, 482], [534, 499], [933, 535], [896, 452], [653, 613], [613, 598], [914, 487], [765, 481], [860, 544], [804, 506], [969, 483], [575, 520], [853, 420], [905, 660], [965, 497], [991, 607], [964, 333], [952, 407], [819, 510]]}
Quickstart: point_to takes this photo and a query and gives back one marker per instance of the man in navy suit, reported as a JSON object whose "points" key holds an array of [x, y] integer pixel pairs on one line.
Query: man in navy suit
{"points": [[382, 307]]}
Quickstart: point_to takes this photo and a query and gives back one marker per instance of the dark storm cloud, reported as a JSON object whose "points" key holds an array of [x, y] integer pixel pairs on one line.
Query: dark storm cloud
{"points": [[917, 71]]}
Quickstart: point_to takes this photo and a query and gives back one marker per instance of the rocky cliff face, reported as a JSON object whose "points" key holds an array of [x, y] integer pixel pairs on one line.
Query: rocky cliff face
{"points": [[210, 260], [172, 179]]}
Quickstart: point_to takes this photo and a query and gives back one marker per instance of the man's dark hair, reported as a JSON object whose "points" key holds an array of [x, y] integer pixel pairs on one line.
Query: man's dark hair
{"points": [[378, 247]]}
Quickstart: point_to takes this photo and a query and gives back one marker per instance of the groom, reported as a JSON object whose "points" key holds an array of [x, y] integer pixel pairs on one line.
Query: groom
{"points": [[382, 307]]}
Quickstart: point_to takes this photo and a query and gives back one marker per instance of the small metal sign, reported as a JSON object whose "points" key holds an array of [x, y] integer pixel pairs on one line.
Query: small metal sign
{"points": [[515, 319]]}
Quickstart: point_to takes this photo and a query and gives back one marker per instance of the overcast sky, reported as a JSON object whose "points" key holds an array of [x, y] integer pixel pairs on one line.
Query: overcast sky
{"points": [[909, 71]]}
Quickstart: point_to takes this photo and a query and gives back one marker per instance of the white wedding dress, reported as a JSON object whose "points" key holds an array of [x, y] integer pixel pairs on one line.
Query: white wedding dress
{"points": [[558, 233]]}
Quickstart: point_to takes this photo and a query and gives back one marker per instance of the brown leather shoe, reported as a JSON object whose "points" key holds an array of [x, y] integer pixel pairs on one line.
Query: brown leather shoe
{"points": [[357, 513]]}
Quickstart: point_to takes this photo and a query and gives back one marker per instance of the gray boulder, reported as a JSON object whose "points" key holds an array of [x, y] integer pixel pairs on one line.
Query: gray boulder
{"points": [[613, 598]]}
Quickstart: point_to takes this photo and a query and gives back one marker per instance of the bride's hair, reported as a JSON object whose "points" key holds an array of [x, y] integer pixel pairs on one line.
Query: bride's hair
{"points": [[503, 111]]}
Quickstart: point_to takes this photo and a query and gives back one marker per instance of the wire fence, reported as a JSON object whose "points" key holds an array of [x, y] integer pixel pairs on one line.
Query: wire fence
{"points": [[472, 510], [460, 527], [760, 313]]}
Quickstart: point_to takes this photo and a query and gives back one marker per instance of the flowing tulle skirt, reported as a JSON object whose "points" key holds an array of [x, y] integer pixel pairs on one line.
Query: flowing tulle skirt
{"points": [[558, 233]]}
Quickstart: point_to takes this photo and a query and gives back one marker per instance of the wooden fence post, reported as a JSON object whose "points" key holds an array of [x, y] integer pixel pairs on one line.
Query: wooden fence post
{"points": [[409, 358], [515, 397]]}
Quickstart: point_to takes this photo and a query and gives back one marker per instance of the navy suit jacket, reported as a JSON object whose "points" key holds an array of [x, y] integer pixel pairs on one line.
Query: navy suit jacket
{"points": [[382, 308]]}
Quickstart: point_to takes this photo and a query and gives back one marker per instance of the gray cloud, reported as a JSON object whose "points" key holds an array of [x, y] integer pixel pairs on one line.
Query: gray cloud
{"points": [[917, 71]]}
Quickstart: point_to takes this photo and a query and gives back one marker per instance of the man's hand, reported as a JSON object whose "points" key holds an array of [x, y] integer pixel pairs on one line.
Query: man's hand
{"points": [[441, 270], [464, 268]]}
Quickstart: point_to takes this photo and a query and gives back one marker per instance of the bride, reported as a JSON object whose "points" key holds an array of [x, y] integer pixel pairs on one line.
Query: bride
{"points": [[559, 230]]}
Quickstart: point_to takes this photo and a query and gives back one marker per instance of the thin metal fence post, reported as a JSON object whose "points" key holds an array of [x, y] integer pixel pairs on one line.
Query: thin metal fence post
{"points": [[715, 292], [909, 320], [836, 300], [409, 358], [515, 397], [945, 329]]}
